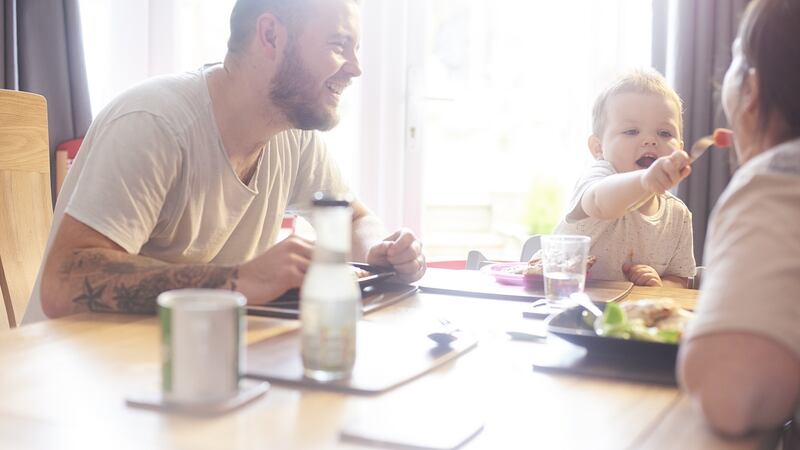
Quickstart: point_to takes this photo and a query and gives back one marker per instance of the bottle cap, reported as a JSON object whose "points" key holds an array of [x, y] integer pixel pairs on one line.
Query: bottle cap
{"points": [[324, 199]]}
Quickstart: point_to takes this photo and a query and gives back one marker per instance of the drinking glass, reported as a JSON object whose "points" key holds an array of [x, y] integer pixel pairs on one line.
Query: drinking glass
{"points": [[564, 266]]}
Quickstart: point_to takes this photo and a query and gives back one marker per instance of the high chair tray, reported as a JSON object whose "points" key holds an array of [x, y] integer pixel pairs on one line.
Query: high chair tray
{"points": [[479, 284]]}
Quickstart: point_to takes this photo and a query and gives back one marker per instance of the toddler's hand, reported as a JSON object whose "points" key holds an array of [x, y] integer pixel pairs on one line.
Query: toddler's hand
{"points": [[666, 172], [641, 275]]}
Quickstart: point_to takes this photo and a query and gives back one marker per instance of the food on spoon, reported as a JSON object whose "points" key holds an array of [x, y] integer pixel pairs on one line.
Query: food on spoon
{"points": [[723, 137], [655, 320]]}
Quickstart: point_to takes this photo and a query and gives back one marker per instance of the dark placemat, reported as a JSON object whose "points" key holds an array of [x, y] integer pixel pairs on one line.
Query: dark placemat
{"points": [[386, 357], [561, 356]]}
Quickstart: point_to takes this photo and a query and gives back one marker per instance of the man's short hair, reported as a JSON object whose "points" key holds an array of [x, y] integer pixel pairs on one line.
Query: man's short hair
{"points": [[641, 81], [245, 12]]}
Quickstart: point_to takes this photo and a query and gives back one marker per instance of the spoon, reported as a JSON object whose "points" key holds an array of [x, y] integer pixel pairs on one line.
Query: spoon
{"points": [[444, 338], [722, 138], [583, 300]]}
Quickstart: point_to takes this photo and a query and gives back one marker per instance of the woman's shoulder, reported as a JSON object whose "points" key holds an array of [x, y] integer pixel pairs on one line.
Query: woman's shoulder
{"points": [[773, 176], [766, 185], [783, 159]]}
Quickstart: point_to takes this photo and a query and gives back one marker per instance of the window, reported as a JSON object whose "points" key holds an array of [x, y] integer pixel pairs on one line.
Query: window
{"points": [[470, 121], [508, 88], [127, 41]]}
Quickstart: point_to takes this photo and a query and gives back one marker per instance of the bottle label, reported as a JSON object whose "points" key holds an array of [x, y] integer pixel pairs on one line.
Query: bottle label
{"points": [[329, 335], [330, 349]]}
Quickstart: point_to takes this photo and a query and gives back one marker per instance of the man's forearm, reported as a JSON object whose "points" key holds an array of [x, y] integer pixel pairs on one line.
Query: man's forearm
{"points": [[367, 231], [614, 196], [113, 281]]}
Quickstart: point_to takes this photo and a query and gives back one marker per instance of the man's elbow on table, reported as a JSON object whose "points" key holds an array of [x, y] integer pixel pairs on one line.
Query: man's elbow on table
{"points": [[52, 292], [52, 305], [742, 382]]}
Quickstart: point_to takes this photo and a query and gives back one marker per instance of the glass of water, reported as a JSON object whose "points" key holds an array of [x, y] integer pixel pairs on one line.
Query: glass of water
{"points": [[564, 266]]}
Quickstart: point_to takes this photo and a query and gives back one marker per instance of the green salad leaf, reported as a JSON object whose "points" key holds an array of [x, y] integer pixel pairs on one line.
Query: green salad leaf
{"points": [[615, 323]]}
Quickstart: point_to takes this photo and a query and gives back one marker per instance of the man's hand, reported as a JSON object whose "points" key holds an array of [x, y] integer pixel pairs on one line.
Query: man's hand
{"points": [[641, 275], [666, 172], [277, 270], [401, 250]]}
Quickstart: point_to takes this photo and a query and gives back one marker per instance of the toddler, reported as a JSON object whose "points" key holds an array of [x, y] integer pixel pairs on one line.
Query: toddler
{"points": [[640, 232]]}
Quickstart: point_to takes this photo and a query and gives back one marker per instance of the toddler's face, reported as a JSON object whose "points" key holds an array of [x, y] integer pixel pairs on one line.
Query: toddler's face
{"points": [[639, 129]]}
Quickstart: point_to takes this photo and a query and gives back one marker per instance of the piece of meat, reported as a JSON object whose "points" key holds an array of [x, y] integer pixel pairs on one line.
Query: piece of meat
{"points": [[652, 312], [535, 265]]}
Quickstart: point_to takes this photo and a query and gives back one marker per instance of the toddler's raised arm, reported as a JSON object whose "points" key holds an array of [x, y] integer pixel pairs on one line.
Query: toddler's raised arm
{"points": [[615, 195]]}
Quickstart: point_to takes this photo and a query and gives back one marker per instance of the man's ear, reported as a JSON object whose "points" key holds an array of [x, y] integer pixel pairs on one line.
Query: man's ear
{"points": [[270, 34], [595, 147]]}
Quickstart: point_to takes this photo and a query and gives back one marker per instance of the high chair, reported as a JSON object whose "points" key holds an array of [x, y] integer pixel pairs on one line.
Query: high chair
{"points": [[476, 260]]}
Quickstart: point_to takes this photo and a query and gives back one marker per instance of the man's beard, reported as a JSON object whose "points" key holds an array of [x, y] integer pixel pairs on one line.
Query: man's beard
{"points": [[295, 92]]}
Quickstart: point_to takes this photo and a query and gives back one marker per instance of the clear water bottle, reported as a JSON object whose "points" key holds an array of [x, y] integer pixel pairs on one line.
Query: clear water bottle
{"points": [[330, 298]]}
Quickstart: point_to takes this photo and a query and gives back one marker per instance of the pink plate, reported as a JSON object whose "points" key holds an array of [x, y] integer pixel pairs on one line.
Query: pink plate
{"points": [[504, 273]]}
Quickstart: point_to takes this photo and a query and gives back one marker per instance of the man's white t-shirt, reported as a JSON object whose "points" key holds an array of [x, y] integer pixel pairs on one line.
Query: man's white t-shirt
{"points": [[662, 241], [152, 175], [752, 277]]}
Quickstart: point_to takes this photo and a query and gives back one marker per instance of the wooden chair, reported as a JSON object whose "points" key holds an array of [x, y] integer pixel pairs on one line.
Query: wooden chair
{"points": [[25, 203]]}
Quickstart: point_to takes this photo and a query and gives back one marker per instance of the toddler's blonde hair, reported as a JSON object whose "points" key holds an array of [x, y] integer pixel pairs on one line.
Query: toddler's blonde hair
{"points": [[642, 81]]}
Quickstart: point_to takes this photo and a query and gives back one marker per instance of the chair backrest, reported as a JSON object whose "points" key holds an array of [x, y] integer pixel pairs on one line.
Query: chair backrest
{"points": [[532, 245], [697, 279], [26, 210], [476, 259]]}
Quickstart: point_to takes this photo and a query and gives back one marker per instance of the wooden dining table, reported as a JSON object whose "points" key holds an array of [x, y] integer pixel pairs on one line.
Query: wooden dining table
{"points": [[64, 385]]}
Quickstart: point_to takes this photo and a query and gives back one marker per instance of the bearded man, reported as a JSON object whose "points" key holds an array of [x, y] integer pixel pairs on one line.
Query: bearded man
{"points": [[183, 180]]}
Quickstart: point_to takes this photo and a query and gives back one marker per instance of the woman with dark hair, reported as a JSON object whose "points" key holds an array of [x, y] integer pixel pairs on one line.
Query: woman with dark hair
{"points": [[741, 355]]}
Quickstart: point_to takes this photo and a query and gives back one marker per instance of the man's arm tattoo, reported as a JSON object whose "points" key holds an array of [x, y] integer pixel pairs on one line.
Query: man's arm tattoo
{"points": [[109, 281]]}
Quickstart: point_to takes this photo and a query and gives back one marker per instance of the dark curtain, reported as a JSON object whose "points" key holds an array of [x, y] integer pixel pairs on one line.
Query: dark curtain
{"points": [[43, 53], [692, 48]]}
